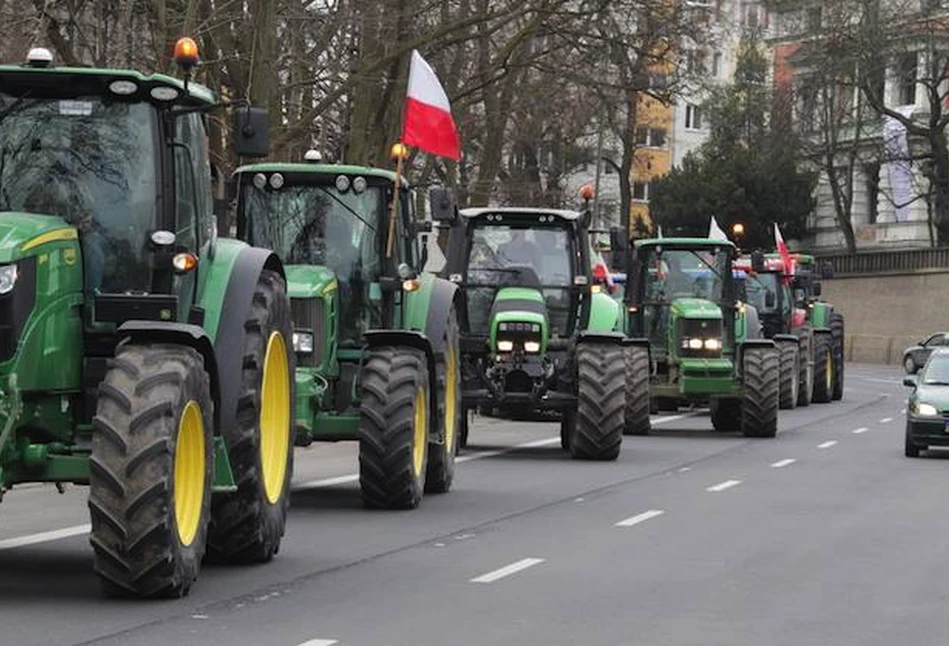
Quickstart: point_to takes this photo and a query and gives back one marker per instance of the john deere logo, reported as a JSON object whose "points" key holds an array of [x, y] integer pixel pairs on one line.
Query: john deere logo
{"points": [[69, 256]]}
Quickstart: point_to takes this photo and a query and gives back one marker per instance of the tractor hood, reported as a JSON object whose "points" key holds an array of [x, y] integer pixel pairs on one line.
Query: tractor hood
{"points": [[696, 308], [309, 281], [519, 314], [21, 232]]}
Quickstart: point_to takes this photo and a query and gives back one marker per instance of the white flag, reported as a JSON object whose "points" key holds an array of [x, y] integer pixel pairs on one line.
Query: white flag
{"points": [[715, 232]]}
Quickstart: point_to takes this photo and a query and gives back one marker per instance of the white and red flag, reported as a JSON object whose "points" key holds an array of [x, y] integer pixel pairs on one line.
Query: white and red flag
{"points": [[783, 250], [428, 124]]}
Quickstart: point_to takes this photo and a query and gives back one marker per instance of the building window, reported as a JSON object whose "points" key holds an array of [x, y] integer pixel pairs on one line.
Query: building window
{"points": [[815, 18], [753, 15], [717, 64], [695, 61], [871, 172], [906, 73], [693, 117], [650, 137], [642, 136], [641, 191]]}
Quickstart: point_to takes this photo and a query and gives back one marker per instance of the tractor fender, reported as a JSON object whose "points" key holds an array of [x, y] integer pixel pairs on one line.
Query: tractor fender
{"points": [[427, 309], [821, 330], [235, 308], [752, 343], [185, 334], [418, 341], [793, 338], [602, 337]]}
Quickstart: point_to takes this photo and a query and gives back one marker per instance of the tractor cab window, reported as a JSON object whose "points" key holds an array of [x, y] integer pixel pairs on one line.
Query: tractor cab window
{"points": [[321, 225], [759, 286], [193, 191], [517, 256], [91, 162], [684, 273]]}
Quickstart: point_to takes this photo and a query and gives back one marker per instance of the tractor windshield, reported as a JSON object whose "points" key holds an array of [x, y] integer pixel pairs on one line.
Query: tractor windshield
{"points": [[319, 225], [684, 273], [519, 256], [93, 163], [759, 286]]}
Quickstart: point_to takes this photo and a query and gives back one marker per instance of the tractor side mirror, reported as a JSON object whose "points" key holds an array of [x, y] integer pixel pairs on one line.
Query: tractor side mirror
{"points": [[757, 262], [443, 205], [816, 288], [769, 299], [827, 270], [909, 381], [251, 132]]}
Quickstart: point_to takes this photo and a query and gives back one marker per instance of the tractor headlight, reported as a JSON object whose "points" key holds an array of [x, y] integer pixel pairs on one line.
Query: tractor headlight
{"points": [[505, 346], [8, 276], [303, 342], [532, 346], [695, 344], [713, 344], [926, 410]]}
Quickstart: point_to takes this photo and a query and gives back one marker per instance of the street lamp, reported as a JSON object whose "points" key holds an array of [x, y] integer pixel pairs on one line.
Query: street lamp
{"points": [[738, 232]]}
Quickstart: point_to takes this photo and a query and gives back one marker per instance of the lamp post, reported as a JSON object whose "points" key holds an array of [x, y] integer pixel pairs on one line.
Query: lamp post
{"points": [[738, 232]]}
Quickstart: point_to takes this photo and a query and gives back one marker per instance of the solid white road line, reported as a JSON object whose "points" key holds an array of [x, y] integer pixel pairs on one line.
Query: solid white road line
{"points": [[886, 420], [507, 570], [45, 537], [783, 463], [640, 518], [722, 486], [862, 429], [320, 642], [875, 380], [827, 444]]}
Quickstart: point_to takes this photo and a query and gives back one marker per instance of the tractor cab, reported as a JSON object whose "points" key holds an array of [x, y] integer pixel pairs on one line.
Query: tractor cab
{"points": [[769, 290]]}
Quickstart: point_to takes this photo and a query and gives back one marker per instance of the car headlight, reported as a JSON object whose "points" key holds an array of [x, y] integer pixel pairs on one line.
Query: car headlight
{"points": [[505, 346], [303, 342], [8, 276], [532, 346], [926, 410]]}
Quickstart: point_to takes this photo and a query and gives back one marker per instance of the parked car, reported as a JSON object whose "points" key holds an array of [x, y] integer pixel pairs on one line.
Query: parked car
{"points": [[915, 356], [927, 411]]}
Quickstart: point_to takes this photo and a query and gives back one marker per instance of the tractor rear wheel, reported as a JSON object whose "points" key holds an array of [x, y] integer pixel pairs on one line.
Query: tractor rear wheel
{"points": [[823, 368], [248, 524], [636, 417], [790, 374], [806, 383], [150, 471], [598, 430], [759, 408], [441, 457], [837, 334], [726, 414], [394, 428], [463, 428]]}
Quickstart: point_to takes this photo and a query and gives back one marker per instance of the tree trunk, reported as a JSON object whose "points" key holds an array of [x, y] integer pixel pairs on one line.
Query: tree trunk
{"points": [[940, 184]]}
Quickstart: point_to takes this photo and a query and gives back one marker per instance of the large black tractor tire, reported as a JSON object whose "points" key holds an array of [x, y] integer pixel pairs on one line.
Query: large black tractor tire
{"points": [[790, 374], [805, 386], [247, 525], [441, 457], [726, 414], [150, 472], [598, 430], [636, 416], [463, 428], [823, 369], [760, 379], [394, 428], [568, 423], [837, 334]]}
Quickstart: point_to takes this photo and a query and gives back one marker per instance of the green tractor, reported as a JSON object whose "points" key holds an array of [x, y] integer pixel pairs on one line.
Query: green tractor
{"points": [[140, 354], [704, 343], [536, 333], [827, 324], [376, 339]]}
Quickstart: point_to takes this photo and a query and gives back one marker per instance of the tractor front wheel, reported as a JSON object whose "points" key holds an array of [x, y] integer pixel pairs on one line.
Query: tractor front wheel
{"points": [[823, 368], [597, 432], [837, 335], [394, 428], [636, 416], [726, 414], [150, 471], [790, 374], [759, 408], [248, 524], [441, 457]]}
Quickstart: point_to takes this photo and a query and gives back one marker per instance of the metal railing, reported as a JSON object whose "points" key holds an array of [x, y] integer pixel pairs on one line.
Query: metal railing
{"points": [[889, 262]]}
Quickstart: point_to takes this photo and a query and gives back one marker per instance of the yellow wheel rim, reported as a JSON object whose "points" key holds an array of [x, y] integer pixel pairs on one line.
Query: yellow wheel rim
{"points": [[830, 368], [451, 400], [189, 473], [275, 417], [419, 427]]}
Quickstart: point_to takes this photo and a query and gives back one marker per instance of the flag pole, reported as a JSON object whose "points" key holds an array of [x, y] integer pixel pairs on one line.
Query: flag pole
{"points": [[399, 151]]}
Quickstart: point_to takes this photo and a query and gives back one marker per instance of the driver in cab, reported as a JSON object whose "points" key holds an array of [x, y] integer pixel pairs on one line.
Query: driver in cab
{"points": [[519, 251]]}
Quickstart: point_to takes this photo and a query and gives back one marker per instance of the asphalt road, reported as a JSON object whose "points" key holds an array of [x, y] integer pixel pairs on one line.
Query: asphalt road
{"points": [[825, 535]]}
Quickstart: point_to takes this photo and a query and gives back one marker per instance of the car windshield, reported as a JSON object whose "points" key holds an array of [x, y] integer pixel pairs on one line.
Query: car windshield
{"points": [[91, 162], [684, 273], [320, 225], [506, 256], [937, 370]]}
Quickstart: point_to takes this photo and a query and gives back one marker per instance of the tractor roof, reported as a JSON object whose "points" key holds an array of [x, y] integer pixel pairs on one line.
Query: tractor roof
{"points": [[321, 169], [688, 243], [520, 210], [197, 92]]}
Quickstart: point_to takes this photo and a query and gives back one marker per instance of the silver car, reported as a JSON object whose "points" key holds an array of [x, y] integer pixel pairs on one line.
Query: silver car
{"points": [[915, 356]]}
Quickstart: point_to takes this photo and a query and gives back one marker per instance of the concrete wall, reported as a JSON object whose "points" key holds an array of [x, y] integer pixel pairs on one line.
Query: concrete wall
{"points": [[885, 314]]}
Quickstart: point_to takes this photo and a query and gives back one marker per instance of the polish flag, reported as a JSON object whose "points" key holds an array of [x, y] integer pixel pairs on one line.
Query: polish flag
{"points": [[428, 124], [783, 250]]}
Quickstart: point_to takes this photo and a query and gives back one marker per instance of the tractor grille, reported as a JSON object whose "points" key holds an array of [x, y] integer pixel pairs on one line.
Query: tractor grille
{"points": [[15, 308], [308, 316], [699, 329]]}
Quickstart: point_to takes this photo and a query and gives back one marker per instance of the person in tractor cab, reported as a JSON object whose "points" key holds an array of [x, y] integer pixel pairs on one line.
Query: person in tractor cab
{"points": [[519, 251]]}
